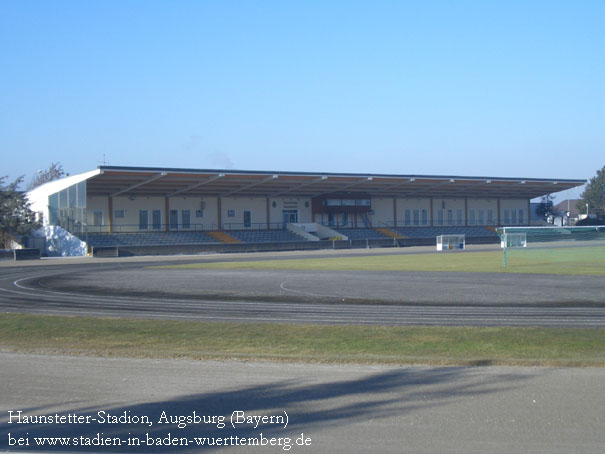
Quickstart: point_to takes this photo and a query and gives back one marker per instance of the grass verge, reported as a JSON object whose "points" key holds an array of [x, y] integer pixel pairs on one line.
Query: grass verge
{"points": [[561, 261], [302, 343]]}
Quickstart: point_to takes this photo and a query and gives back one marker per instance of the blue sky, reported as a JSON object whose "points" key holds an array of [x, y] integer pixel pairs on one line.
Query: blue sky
{"points": [[481, 88]]}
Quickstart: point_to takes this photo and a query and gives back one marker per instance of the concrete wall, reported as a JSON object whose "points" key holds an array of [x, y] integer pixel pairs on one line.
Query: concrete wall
{"points": [[456, 207], [515, 208], [411, 205], [237, 205], [209, 219], [479, 211], [97, 204], [462, 212], [383, 212]]}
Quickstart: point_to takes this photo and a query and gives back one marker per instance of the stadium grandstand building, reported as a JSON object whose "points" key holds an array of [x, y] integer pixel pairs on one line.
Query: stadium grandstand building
{"points": [[140, 206]]}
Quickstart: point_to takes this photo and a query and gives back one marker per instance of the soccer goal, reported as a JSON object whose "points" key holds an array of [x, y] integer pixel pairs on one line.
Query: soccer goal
{"points": [[451, 242], [513, 240], [554, 249]]}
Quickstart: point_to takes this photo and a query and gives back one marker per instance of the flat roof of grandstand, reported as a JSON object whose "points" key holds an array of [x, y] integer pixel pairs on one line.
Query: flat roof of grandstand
{"points": [[154, 181]]}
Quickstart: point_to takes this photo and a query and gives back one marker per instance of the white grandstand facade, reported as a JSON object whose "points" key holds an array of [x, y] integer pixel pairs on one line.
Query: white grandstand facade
{"points": [[119, 200]]}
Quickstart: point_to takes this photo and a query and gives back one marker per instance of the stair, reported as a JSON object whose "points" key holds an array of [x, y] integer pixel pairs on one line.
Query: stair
{"points": [[389, 233], [223, 237]]}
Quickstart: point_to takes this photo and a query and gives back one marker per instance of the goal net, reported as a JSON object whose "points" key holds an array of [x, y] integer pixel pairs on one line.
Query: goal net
{"points": [[553, 248]]}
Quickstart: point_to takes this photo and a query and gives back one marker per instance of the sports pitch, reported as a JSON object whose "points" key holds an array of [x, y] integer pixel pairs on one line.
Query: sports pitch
{"points": [[572, 261]]}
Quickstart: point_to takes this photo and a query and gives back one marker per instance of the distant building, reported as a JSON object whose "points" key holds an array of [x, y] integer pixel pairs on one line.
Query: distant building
{"points": [[568, 208]]}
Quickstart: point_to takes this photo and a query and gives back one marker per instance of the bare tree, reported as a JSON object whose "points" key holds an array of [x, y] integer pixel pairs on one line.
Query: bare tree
{"points": [[54, 172]]}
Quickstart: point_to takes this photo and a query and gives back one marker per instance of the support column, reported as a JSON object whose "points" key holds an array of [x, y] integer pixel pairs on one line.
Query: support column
{"points": [[394, 212], [268, 214], [166, 213], [110, 214], [466, 211], [219, 215]]}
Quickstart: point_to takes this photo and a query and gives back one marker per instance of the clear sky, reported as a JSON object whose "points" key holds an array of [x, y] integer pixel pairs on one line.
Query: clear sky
{"points": [[479, 88]]}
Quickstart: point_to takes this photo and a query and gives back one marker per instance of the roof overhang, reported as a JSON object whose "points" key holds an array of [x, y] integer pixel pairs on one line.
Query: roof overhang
{"points": [[169, 182]]}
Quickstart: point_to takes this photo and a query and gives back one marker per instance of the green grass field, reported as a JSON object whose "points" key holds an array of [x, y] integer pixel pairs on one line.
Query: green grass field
{"points": [[342, 344], [563, 261], [302, 343]]}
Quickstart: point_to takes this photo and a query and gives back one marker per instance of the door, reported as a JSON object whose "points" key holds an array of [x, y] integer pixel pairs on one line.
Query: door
{"points": [[247, 219], [289, 216], [143, 219], [174, 219], [156, 219]]}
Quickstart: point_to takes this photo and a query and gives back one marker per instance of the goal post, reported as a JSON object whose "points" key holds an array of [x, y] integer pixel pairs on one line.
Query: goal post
{"points": [[451, 242], [563, 245], [513, 240]]}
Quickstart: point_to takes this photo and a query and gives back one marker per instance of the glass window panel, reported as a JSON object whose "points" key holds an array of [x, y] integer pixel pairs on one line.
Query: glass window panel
{"points": [[81, 195], [63, 199], [72, 196]]}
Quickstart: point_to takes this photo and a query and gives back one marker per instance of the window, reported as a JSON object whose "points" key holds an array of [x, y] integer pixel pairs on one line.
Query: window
{"points": [[118, 214], [407, 217], [346, 202], [416, 217], [247, 219], [72, 196], [514, 217], [53, 209], [156, 219], [490, 216], [425, 217], [521, 221], [81, 194], [143, 220], [481, 218], [471, 216], [450, 217], [230, 213], [507, 216], [199, 213], [440, 217], [459, 216], [63, 199]]}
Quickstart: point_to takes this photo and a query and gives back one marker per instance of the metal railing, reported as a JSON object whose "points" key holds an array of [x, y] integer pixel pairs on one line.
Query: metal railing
{"points": [[172, 227]]}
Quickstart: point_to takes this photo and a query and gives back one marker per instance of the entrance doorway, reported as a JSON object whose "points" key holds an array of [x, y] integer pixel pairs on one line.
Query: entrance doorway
{"points": [[289, 217]]}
